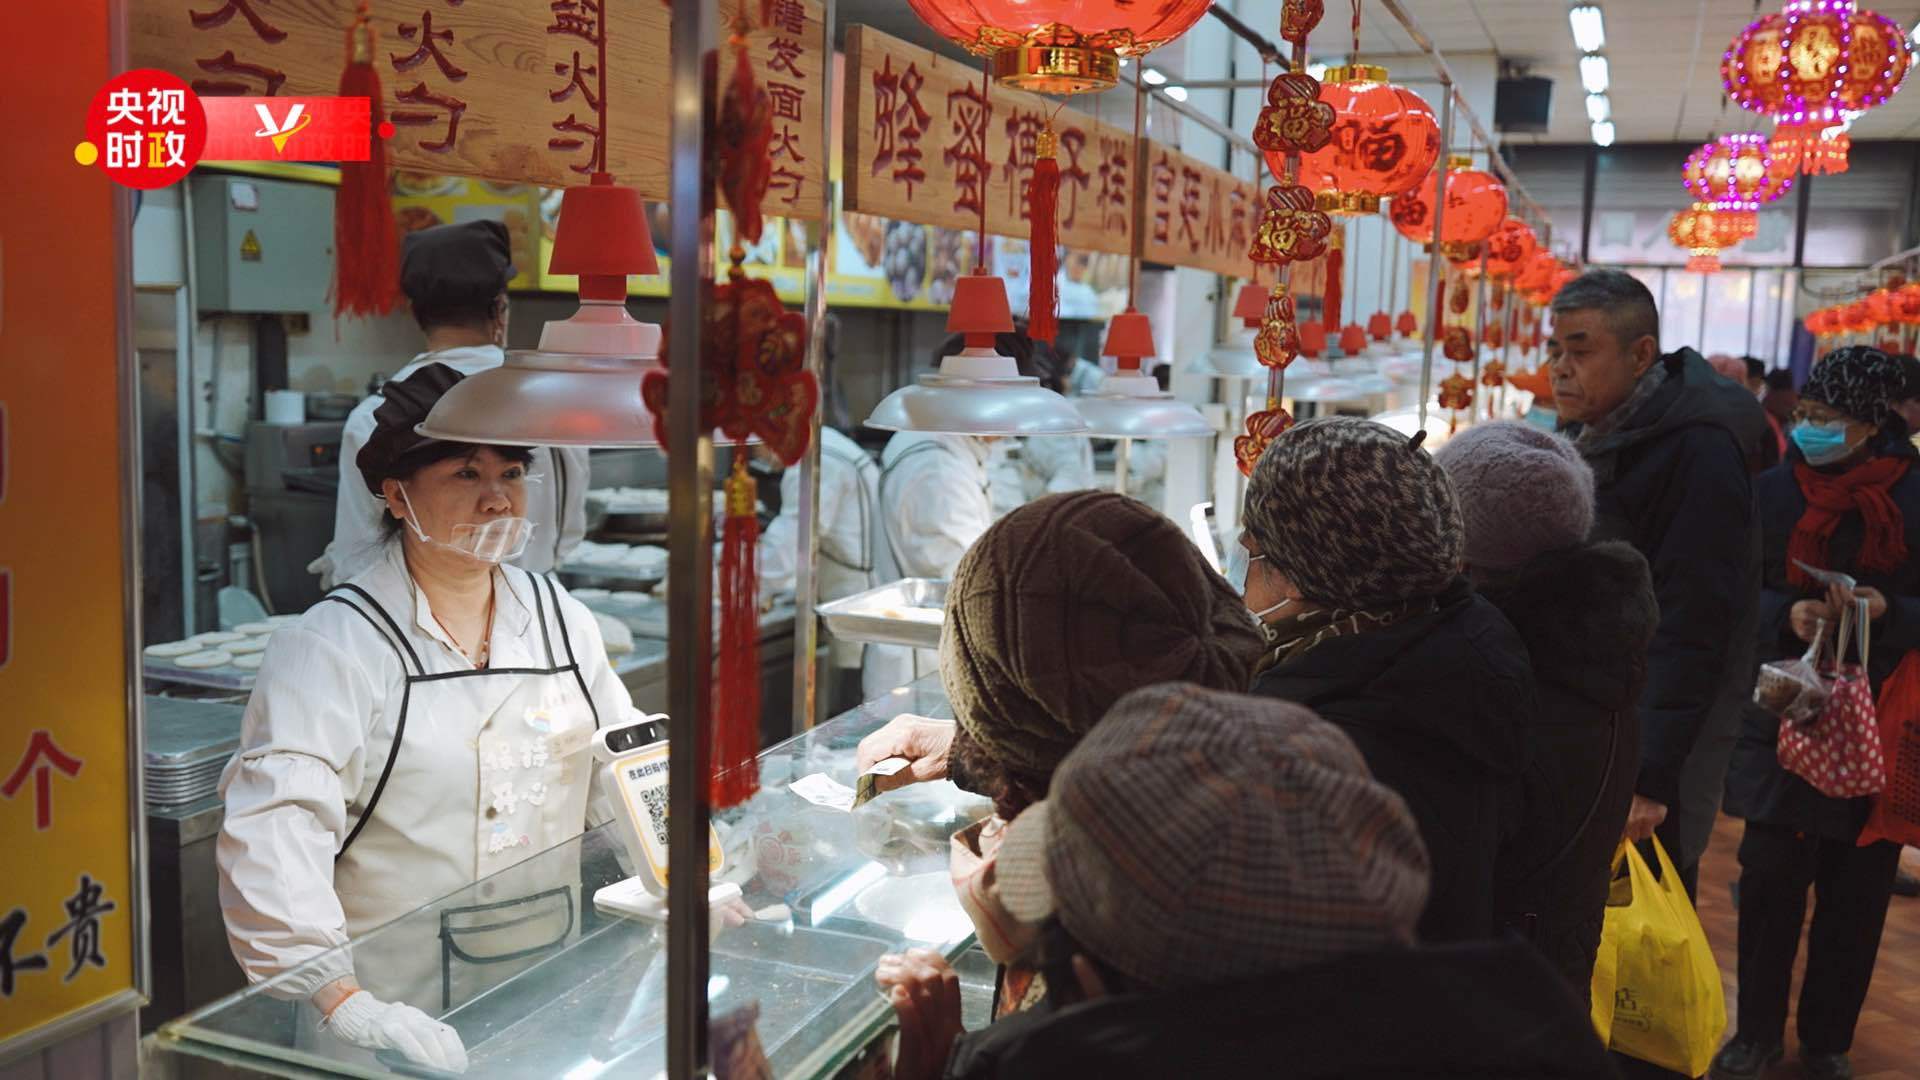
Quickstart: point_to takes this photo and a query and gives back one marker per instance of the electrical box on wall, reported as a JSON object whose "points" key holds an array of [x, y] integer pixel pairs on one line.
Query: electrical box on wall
{"points": [[261, 246]]}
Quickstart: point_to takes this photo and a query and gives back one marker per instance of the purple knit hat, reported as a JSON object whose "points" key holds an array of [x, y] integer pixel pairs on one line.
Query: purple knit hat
{"points": [[1522, 491]]}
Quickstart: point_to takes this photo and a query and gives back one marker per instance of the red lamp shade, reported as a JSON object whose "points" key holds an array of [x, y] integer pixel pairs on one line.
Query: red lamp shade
{"points": [[1816, 61], [1385, 139], [1313, 339], [1511, 245], [1380, 326], [1407, 324], [1129, 339], [1058, 46], [1353, 339], [602, 237], [1250, 305], [1476, 204], [980, 309], [1735, 172]]}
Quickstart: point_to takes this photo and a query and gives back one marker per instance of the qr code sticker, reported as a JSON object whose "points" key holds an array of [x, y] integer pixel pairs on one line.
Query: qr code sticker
{"points": [[655, 799]]}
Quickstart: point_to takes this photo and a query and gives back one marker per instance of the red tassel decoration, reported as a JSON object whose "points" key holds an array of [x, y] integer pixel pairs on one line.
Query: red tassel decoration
{"points": [[1330, 307], [736, 706], [1043, 203], [366, 243]]}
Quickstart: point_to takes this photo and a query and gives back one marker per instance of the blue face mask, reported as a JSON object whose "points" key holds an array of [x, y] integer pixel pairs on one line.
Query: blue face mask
{"points": [[1239, 562], [1543, 418], [1822, 443]]}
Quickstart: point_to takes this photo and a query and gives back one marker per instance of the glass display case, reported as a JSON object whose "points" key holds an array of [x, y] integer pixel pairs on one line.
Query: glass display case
{"points": [[537, 982]]}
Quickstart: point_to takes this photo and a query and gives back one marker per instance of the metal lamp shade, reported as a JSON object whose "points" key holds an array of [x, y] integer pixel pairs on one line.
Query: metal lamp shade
{"points": [[1235, 360], [548, 399], [977, 392], [1132, 406]]}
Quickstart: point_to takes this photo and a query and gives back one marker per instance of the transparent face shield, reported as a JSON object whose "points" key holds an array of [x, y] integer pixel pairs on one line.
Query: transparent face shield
{"points": [[497, 541]]}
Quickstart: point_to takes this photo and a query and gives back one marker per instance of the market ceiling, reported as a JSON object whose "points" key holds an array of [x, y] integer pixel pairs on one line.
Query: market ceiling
{"points": [[1663, 55]]}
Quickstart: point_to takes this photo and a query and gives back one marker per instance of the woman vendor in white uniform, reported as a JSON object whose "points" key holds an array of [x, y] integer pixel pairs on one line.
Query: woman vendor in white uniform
{"points": [[426, 725]]}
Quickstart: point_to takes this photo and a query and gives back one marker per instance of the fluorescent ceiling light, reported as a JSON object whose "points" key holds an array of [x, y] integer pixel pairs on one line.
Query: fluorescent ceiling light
{"points": [[1153, 76], [1589, 32], [1603, 133], [1598, 109], [1593, 74], [1177, 93]]}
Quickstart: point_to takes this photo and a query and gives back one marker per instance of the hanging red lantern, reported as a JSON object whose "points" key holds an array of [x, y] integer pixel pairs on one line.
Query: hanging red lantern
{"points": [[1734, 172], [1705, 232], [1058, 46], [1385, 138], [1907, 300], [1813, 66], [1476, 205], [1509, 246], [1809, 150], [1536, 274], [1881, 307]]}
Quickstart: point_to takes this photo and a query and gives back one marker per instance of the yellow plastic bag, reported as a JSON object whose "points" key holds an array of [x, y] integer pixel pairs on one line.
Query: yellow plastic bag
{"points": [[1668, 1005]]}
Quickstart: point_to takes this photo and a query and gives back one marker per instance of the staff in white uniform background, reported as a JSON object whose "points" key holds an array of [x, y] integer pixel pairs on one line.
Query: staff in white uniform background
{"points": [[849, 508], [1023, 470], [455, 278], [426, 725]]}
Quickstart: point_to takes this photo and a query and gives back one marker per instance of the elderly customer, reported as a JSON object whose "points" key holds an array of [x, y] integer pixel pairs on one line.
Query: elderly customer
{"points": [[1586, 612], [1223, 890], [1062, 608], [1668, 441], [1355, 548], [1848, 500]]}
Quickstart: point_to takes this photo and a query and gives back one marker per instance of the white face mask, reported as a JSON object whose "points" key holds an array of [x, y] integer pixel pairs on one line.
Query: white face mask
{"points": [[497, 541]]}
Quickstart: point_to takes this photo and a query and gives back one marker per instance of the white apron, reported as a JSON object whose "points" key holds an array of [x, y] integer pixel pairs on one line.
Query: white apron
{"points": [[522, 735]]}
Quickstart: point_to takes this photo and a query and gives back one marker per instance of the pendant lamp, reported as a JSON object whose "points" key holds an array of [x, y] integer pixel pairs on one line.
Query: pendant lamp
{"points": [[1235, 358], [581, 387], [977, 391], [1130, 403]]}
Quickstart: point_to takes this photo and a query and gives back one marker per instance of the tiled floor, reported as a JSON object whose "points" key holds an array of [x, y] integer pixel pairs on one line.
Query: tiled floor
{"points": [[1887, 1043]]}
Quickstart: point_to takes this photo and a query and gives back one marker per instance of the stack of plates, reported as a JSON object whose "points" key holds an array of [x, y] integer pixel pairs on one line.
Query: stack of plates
{"points": [[188, 744]]}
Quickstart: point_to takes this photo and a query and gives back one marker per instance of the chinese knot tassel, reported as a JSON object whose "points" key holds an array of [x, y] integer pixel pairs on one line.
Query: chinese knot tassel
{"points": [[1330, 307], [736, 707], [366, 243], [1043, 203]]}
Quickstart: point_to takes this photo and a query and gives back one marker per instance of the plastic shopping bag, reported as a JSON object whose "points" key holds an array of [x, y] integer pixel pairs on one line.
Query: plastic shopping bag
{"points": [[1896, 812], [1839, 752], [1668, 1006]]}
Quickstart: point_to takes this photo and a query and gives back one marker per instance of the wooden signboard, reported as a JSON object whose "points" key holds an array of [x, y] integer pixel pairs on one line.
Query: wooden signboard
{"points": [[517, 91], [917, 129]]}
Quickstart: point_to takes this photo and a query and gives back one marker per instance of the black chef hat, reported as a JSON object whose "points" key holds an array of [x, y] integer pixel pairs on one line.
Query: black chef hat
{"points": [[395, 449], [455, 269]]}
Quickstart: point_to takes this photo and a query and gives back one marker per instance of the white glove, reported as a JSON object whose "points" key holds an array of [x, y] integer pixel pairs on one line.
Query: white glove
{"points": [[365, 1020]]}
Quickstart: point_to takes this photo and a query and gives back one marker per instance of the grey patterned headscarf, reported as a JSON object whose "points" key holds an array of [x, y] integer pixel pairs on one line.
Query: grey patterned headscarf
{"points": [[1859, 380], [1355, 514]]}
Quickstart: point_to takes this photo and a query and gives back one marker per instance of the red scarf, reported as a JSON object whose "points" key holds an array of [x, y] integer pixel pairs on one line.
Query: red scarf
{"points": [[1864, 488]]}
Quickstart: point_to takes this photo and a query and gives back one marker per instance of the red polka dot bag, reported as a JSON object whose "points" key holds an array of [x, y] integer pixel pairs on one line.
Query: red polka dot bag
{"points": [[1838, 750]]}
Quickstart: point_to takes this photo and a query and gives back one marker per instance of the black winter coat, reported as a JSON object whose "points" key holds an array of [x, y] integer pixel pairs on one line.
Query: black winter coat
{"points": [[1480, 1010], [1437, 705], [1758, 789], [1673, 481], [1586, 615]]}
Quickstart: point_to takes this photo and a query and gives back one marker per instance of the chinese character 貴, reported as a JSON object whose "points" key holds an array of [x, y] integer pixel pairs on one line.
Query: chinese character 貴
{"points": [[84, 909]]}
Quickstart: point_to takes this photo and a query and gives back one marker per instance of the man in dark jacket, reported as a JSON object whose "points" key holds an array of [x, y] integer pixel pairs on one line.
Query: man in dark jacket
{"points": [[1668, 440], [1355, 543], [1271, 888], [1586, 612]]}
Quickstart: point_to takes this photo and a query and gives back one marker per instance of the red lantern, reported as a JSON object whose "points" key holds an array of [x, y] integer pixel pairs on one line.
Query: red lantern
{"points": [[1734, 172], [1384, 140], [1705, 232], [1814, 65], [1476, 204], [1907, 300], [1058, 46], [1509, 246], [1881, 307], [1809, 149]]}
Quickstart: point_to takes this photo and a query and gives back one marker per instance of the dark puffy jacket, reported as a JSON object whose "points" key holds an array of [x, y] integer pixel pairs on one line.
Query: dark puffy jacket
{"points": [[1478, 1010], [1673, 481], [1586, 615], [1758, 789], [1437, 705]]}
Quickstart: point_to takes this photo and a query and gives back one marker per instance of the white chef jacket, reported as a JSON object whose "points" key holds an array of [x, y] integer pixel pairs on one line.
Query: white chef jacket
{"points": [[316, 737], [1043, 465], [556, 499], [849, 503], [1085, 378], [1147, 472], [933, 505]]}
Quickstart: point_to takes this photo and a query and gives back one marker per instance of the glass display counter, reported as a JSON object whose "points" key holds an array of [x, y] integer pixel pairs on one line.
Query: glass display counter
{"points": [[540, 984]]}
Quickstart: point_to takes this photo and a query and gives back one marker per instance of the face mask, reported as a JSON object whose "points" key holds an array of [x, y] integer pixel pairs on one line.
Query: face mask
{"points": [[497, 541], [1239, 562], [1822, 443], [1543, 418]]}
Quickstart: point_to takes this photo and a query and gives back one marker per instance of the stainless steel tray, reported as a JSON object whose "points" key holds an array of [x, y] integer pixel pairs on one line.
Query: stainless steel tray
{"points": [[873, 617]]}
